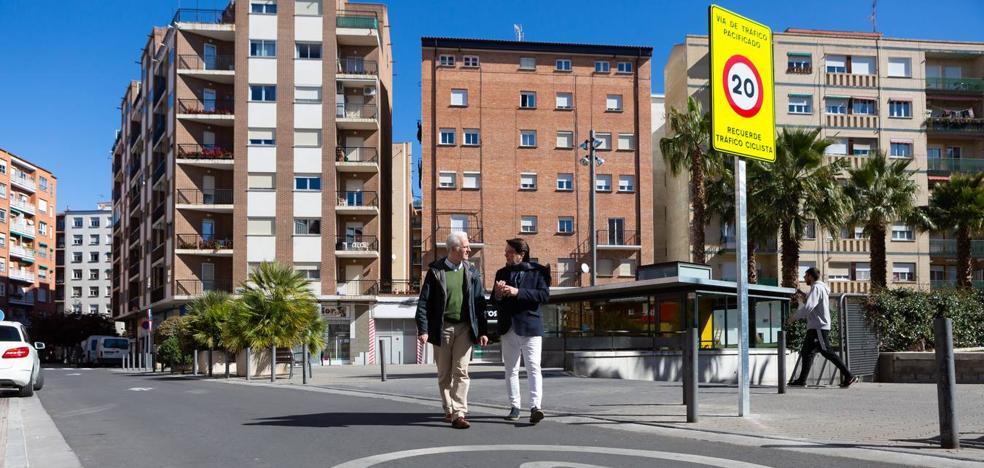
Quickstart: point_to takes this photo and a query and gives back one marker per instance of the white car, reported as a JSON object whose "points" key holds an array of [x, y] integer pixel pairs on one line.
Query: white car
{"points": [[20, 366]]}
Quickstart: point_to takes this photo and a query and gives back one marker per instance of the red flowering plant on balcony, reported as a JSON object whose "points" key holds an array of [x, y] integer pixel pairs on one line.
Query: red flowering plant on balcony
{"points": [[201, 152]]}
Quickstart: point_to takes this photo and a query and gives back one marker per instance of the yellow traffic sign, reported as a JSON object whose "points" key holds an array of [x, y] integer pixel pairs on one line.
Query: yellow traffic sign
{"points": [[743, 117]]}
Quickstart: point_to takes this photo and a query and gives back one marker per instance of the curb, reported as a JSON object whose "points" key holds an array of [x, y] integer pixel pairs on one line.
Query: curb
{"points": [[33, 438]]}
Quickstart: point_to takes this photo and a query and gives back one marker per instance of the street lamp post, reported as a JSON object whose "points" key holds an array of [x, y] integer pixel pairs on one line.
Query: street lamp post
{"points": [[592, 161]]}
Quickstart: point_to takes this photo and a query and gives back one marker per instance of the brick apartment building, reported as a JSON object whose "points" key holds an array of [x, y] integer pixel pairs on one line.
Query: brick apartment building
{"points": [[501, 126], [27, 238]]}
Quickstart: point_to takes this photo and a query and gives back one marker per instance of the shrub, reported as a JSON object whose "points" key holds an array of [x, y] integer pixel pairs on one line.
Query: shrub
{"points": [[903, 319]]}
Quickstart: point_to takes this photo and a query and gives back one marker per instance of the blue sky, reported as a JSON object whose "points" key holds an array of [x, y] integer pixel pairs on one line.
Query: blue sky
{"points": [[66, 66]]}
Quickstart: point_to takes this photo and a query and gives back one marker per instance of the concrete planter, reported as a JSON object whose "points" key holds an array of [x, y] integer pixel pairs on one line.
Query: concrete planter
{"points": [[717, 366], [259, 365], [920, 367]]}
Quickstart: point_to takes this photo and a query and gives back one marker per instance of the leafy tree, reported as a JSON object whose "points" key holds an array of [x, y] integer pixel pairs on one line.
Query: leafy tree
{"points": [[206, 319], [276, 308], [958, 207]]}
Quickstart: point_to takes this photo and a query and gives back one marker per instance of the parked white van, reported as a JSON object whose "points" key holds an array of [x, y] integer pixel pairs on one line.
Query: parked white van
{"points": [[104, 349]]}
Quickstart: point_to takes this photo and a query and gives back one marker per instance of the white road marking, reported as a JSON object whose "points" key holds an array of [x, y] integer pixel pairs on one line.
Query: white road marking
{"points": [[558, 464], [75, 373], [84, 411], [140, 389]]}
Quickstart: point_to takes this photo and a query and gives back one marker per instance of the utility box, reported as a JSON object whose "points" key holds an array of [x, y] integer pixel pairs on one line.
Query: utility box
{"points": [[673, 270]]}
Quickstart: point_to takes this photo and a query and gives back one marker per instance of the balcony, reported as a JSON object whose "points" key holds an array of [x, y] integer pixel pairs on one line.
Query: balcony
{"points": [[849, 287], [133, 271], [949, 284], [357, 203], [216, 24], [133, 305], [853, 162], [201, 245], [157, 294], [356, 159], [357, 66], [22, 229], [852, 120], [946, 166], [159, 171], [962, 126], [22, 206], [617, 240], [157, 254], [21, 275], [860, 246], [217, 112], [851, 80], [214, 68], [195, 287], [356, 246], [358, 28], [400, 287], [355, 116], [799, 70], [948, 248], [24, 253], [960, 86], [208, 156], [475, 239], [23, 181], [23, 299], [215, 200], [357, 288]]}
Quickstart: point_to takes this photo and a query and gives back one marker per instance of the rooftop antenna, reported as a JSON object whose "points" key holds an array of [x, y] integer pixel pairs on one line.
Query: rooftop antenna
{"points": [[874, 16], [518, 29]]}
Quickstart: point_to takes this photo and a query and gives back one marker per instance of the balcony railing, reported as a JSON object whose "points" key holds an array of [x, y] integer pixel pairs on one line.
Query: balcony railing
{"points": [[133, 304], [25, 299], [356, 243], [134, 270], [799, 70], [194, 287], [203, 107], [159, 171], [22, 180], [944, 284], [956, 85], [355, 111], [207, 197], [22, 252], [944, 166], [358, 288], [199, 242], [956, 125], [357, 21], [22, 229], [852, 80], [21, 275], [474, 234], [617, 237], [364, 154], [194, 15], [357, 199], [160, 211], [22, 206], [196, 151], [221, 62], [948, 248], [357, 66], [400, 287]]}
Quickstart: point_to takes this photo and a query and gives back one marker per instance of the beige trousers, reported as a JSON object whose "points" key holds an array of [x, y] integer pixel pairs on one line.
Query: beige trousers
{"points": [[452, 358]]}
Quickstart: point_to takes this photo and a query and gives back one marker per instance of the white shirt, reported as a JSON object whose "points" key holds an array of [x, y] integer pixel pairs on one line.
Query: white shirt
{"points": [[452, 266]]}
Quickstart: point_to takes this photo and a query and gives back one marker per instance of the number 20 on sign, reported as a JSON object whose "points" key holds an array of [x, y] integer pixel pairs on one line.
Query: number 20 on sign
{"points": [[742, 100]]}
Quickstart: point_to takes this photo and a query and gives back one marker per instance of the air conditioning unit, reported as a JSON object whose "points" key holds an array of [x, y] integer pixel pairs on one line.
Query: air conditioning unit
{"points": [[369, 91]]}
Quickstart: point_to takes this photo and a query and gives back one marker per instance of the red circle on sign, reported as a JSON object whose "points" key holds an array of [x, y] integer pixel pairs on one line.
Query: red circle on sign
{"points": [[727, 92]]}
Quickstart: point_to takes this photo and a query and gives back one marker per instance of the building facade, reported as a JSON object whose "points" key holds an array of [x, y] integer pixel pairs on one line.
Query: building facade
{"points": [[27, 238], [916, 100], [501, 126], [258, 133], [84, 260]]}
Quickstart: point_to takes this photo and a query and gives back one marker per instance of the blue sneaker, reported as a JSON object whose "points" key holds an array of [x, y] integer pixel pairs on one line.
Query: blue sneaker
{"points": [[513, 414]]}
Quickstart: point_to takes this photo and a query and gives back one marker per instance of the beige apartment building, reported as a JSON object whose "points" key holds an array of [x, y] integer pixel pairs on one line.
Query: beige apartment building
{"points": [[913, 99], [257, 133], [502, 122]]}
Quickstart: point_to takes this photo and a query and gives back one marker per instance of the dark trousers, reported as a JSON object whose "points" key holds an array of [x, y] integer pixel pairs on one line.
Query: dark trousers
{"points": [[819, 342]]}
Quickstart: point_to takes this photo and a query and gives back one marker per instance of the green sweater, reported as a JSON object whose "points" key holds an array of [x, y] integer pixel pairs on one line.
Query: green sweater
{"points": [[455, 281]]}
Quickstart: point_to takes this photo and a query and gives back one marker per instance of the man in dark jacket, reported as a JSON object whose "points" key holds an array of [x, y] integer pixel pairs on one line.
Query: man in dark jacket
{"points": [[520, 287], [451, 316]]}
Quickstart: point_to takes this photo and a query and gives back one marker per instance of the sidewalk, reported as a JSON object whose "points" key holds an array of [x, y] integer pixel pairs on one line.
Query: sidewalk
{"points": [[28, 436], [868, 421]]}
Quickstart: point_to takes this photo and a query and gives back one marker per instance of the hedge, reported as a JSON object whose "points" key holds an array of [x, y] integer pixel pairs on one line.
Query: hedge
{"points": [[903, 318]]}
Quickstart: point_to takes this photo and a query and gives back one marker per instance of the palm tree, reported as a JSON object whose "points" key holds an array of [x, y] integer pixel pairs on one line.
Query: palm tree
{"points": [[959, 206], [881, 192], [800, 188], [206, 318], [689, 147], [276, 309]]}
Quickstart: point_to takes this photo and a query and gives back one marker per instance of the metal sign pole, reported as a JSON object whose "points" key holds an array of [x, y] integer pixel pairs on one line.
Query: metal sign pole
{"points": [[741, 223], [591, 209]]}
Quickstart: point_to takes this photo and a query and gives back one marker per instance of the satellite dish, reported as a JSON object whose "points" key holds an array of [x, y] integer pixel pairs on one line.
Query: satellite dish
{"points": [[585, 268]]}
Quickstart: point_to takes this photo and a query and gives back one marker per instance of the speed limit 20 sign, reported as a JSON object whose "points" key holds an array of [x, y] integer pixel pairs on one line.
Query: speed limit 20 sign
{"points": [[743, 117]]}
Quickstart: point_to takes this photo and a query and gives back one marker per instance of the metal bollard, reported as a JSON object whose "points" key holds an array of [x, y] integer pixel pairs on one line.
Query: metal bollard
{"points": [[194, 362], [273, 363], [249, 356], [684, 366], [382, 361], [140, 358], [304, 367], [694, 350], [782, 362], [946, 384]]}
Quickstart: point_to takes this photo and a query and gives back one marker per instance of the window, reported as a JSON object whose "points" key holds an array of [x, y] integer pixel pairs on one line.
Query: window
{"points": [[472, 137], [446, 60], [259, 226], [446, 180], [810, 230], [565, 225], [953, 152], [3, 190], [471, 61], [307, 226], [310, 271], [76, 274], [307, 94], [602, 67], [606, 141], [263, 93], [256, 181], [900, 109], [862, 65], [800, 104], [459, 97], [899, 67], [3, 240], [76, 257], [527, 100], [93, 308], [307, 138], [307, 8], [308, 50], [263, 8], [527, 224], [861, 149], [93, 239], [613, 102], [900, 149], [93, 257], [307, 183], [565, 101], [93, 291], [565, 139], [471, 180], [262, 48], [565, 182], [605, 268], [626, 183], [838, 147], [623, 67], [626, 141], [447, 136], [863, 106], [94, 222], [903, 272], [527, 138], [527, 63], [862, 271], [901, 232], [799, 63], [603, 183], [77, 221], [562, 65], [43, 207], [527, 181], [846, 233], [3, 166], [76, 291], [836, 105], [43, 228], [76, 239], [94, 274], [261, 137], [3, 215], [836, 63], [627, 268]]}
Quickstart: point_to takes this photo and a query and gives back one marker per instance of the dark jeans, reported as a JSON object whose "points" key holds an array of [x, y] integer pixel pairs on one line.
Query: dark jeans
{"points": [[819, 342]]}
